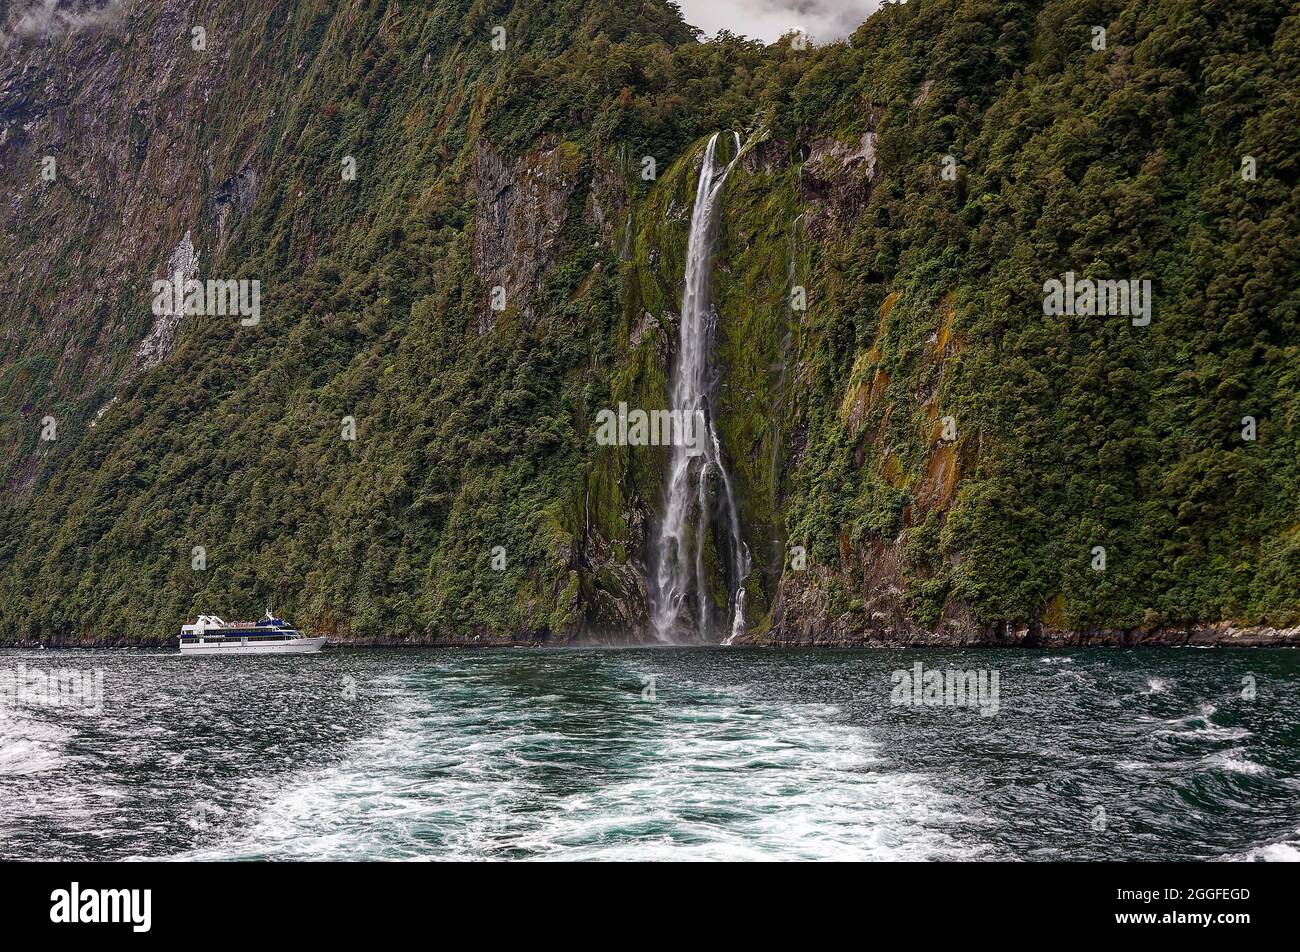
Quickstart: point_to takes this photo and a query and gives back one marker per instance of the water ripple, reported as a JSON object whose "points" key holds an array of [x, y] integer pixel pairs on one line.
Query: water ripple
{"points": [[658, 754]]}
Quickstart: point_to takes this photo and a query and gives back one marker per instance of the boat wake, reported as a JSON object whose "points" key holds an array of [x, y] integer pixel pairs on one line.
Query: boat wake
{"points": [[721, 777]]}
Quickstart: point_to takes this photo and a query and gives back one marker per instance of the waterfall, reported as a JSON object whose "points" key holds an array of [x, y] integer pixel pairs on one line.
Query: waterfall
{"points": [[689, 512]]}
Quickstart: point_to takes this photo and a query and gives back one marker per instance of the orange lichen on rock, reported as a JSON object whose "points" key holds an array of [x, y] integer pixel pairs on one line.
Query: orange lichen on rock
{"points": [[938, 482], [944, 336]]}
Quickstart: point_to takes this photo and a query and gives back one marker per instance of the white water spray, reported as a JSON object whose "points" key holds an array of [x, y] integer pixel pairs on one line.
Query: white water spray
{"points": [[687, 521]]}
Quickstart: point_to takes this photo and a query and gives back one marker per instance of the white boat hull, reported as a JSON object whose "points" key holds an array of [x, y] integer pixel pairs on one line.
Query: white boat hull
{"points": [[291, 646]]}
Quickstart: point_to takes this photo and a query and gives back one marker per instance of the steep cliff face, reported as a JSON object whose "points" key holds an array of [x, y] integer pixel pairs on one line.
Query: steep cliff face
{"points": [[519, 219], [920, 453], [99, 168]]}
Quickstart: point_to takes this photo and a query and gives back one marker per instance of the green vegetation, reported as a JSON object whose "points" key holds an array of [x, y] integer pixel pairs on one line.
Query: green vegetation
{"points": [[924, 302]]}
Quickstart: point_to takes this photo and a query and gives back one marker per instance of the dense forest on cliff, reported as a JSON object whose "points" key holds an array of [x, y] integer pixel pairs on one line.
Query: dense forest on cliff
{"points": [[944, 455]]}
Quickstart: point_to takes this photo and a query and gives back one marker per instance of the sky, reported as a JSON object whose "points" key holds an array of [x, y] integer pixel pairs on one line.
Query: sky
{"points": [[822, 20]]}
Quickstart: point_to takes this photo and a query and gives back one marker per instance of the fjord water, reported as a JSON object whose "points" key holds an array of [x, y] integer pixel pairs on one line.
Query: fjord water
{"points": [[644, 754]]}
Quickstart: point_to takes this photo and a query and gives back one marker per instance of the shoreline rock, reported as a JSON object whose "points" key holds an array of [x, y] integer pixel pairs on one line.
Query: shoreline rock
{"points": [[1218, 635]]}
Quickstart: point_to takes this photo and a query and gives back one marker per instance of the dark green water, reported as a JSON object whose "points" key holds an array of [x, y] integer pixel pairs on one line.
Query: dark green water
{"points": [[739, 754]]}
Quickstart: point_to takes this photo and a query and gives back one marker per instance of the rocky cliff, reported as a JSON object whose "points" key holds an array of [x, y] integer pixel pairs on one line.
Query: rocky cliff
{"points": [[468, 224]]}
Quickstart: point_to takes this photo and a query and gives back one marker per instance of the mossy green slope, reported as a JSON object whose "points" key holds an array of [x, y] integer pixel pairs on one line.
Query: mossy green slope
{"points": [[924, 302]]}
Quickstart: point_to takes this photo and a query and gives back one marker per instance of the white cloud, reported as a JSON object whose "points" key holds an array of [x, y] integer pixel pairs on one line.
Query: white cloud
{"points": [[822, 20], [39, 18]]}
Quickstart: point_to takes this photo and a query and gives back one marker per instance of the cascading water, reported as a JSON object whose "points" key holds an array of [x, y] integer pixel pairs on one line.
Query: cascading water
{"points": [[688, 513]]}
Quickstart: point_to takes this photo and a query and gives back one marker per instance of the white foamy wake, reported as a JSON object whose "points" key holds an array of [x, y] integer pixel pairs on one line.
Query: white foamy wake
{"points": [[1202, 726], [1283, 851], [29, 746], [725, 779], [1233, 761]]}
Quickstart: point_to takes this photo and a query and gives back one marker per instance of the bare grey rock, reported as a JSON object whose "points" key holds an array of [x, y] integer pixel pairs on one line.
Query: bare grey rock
{"points": [[182, 265], [521, 212]]}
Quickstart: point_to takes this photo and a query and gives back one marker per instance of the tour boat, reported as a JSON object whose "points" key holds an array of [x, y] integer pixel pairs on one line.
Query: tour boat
{"points": [[271, 635]]}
